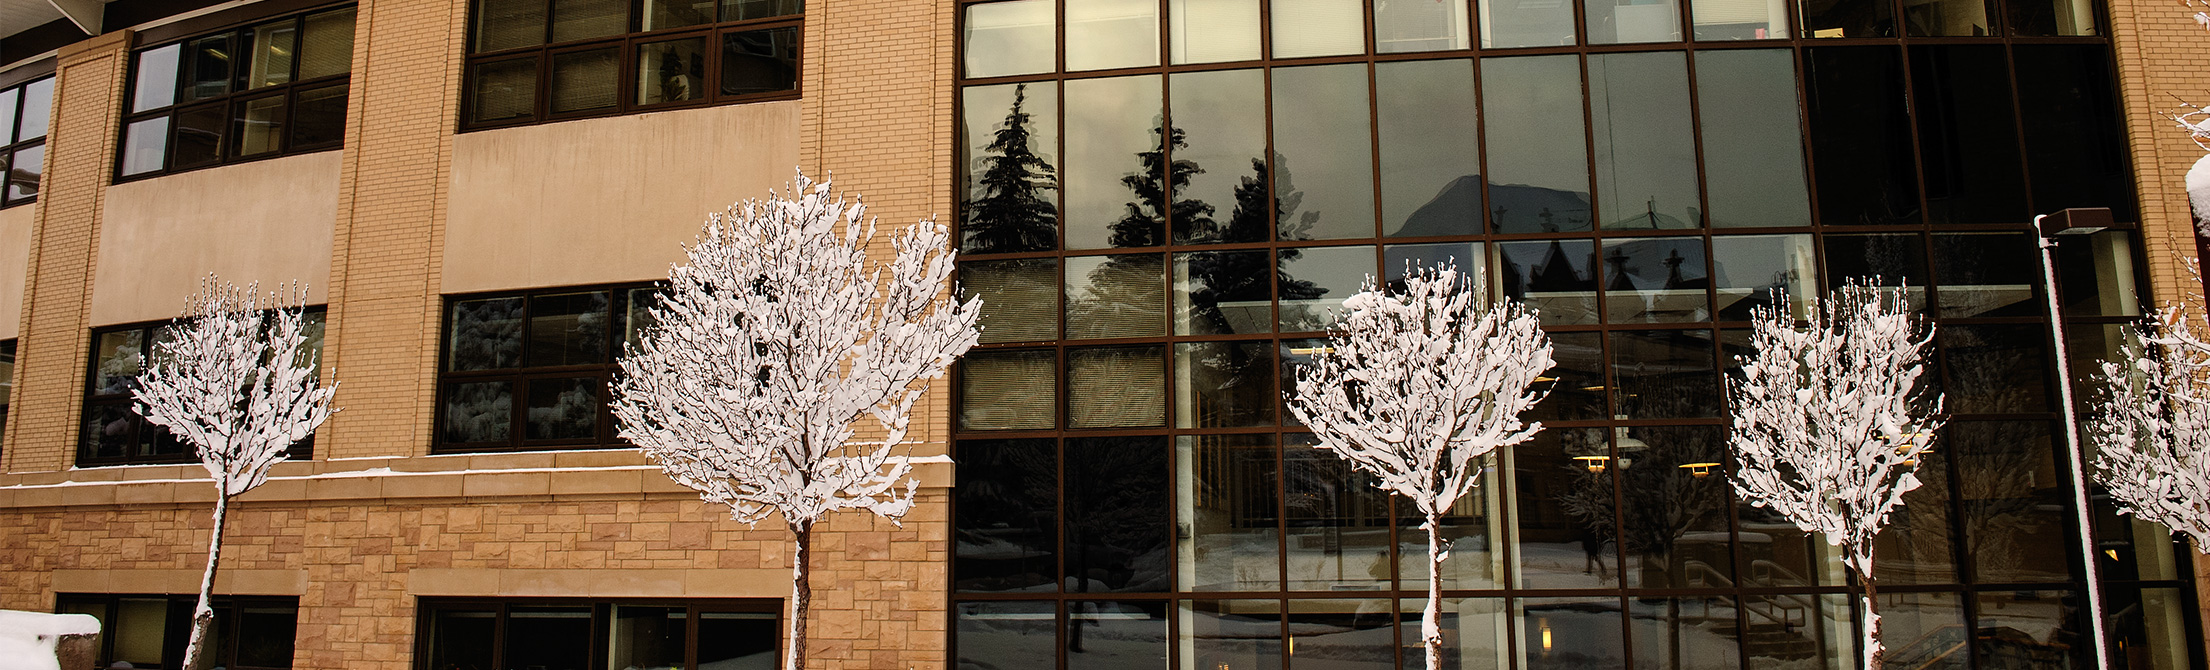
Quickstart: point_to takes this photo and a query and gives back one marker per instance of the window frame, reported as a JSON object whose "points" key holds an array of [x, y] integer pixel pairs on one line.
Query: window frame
{"points": [[426, 609], [231, 102], [518, 377], [8, 151], [149, 333], [175, 629], [626, 45]]}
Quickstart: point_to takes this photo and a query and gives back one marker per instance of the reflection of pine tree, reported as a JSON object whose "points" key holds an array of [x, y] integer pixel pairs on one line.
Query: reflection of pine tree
{"points": [[1012, 214], [1144, 224], [1229, 276]]}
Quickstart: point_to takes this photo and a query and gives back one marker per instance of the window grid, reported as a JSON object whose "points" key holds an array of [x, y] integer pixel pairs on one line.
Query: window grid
{"points": [[534, 67], [432, 648], [111, 430], [513, 432], [227, 637], [251, 112], [29, 108]]}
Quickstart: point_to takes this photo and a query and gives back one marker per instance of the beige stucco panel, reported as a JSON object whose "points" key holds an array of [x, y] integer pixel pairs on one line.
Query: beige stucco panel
{"points": [[267, 221], [604, 200], [15, 264]]}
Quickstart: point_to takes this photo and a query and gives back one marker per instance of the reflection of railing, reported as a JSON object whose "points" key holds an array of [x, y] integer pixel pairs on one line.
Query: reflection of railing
{"points": [[1930, 649], [1789, 618]]}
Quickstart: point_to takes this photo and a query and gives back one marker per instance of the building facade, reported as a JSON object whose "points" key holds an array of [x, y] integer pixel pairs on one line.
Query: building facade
{"points": [[1160, 202]]}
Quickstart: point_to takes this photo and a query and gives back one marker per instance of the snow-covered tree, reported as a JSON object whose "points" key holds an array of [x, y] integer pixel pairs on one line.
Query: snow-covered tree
{"points": [[1415, 386], [2152, 428], [772, 343], [236, 377], [1830, 421]]}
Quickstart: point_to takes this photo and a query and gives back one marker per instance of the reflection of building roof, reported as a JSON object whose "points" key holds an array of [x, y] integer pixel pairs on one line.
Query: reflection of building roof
{"points": [[1456, 210]]}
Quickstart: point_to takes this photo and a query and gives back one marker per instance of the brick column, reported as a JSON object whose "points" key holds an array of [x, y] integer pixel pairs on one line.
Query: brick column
{"points": [[65, 238]]}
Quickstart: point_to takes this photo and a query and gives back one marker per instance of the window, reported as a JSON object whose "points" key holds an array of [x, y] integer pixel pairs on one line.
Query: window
{"points": [[25, 110], [529, 370], [532, 61], [149, 631], [7, 379], [580, 634], [112, 432], [270, 89]]}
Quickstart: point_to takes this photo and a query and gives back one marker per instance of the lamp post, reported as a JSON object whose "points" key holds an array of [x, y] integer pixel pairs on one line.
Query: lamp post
{"points": [[2050, 228]]}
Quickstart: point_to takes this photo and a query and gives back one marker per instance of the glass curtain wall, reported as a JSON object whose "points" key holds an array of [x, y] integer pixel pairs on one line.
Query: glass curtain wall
{"points": [[1163, 205]]}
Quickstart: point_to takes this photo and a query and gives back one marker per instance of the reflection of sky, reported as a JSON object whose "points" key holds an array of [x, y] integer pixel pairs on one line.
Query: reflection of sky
{"points": [[1758, 260], [1214, 111], [1534, 122], [1109, 122], [1466, 255], [1753, 150], [1338, 271], [1645, 149], [1321, 129], [1104, 34], [1427, 132]]}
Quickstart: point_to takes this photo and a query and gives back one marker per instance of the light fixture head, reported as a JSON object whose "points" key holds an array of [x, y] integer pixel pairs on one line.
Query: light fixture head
{"points": [[1699, 470], [1593, 463], [2076, 221]]}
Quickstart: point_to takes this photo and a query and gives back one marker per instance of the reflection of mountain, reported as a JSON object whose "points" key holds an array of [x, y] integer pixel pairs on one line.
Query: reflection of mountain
{"points": [[1520, 208]]}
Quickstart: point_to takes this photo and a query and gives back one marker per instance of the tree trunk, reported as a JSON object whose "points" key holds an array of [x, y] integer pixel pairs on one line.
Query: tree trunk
{"points": [[1431, 630], [1871, 643], [800, 596], [196, 651]]}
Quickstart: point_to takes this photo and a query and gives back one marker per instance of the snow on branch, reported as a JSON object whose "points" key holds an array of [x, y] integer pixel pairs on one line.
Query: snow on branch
{"points": [[2151, 428], [775, 339]]}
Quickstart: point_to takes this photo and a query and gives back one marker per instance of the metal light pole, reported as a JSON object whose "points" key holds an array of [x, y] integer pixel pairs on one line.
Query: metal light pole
{"points": [[2066, 223]]}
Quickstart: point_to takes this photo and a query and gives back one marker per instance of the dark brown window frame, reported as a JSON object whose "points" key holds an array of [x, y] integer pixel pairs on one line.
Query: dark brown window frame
{"points": [[148, 330], [519, 376], [426, 609], [8, 151], [224, 605], [230, 104], [625, 45]]}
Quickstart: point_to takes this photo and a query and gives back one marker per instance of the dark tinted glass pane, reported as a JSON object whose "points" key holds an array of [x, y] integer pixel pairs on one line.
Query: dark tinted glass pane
{"points": [[479, 412], [326, 48], [1107, 34], [738, 640], [1753, 138], [508, 24], [1116, 296], [1967, 141], [1224, 384], [585, 80], [1656, 280], [1623, 22], [1988, 274], [1231, 508], [738, 10], [1576, 384], [2052, 17], [1116, 527], [1738, 20], [1886, 260], [318, 116], [265, 635], [145, 144], [1223, 292], [140, 630], [1576, 632], [38, 109], [1918, 546], [484, 334], [154, 85], [108, 432], [260, 126], [1674, 502], [1337, 522], [1012, 144], [118, 357], [273, 48], [1114, 164], [646, 637], [1860, 136], [1557, 278], [1928, 629], [1014, 634], [1399, 259], [553, 638], [2016, 508], [1507, 23], [1410, 26], [1232, 633], [1763, 271], [1686, 633], [206, 68], [199, 136], [661, 14], [671, 71], [1949, 18], [1473, 630], [23, 172], [2150, 625], [1847, 18], [1430, 154], [2074, 146], [2034, 629], [585, 19], [1109, 387], [502, 90], [1664, 374], [1219, 161], [1324, 154], [462, 638], [2098, 276], [568, 329], [759, 61], [1995, 369], [1315, 280], [1115, 635], [1645, 144], [1007, 516], [1009, 38], [1349, 634], [563, 409], [1008, 390], [1563, 494], [1538, 170], [1020, 298]]}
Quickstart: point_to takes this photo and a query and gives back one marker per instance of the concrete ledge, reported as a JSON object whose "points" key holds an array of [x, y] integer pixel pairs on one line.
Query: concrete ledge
{"points": [[483, 582], [227, 582]]}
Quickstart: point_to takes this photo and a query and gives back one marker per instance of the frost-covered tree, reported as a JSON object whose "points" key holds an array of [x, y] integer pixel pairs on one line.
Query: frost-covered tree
{"points": [[772, 343], [237, 378], [2152, 427], [1416, 386], [1830, 421]]}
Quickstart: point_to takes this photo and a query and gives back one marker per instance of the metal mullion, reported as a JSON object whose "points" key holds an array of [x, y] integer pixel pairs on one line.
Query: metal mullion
{"points": [[1059, 37]]}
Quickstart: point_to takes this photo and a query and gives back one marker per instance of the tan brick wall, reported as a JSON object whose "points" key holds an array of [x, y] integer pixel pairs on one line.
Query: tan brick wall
{"points": [[49, 384]]}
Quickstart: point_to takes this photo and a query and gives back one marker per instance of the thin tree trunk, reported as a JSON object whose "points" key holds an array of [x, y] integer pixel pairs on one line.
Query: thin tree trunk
{"points": [[800, 596], [203, 615], [1431, 631], [1871, 643]]}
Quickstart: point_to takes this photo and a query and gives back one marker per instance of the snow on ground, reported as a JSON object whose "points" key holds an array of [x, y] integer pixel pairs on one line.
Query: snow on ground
{"points": [[27, 639]]}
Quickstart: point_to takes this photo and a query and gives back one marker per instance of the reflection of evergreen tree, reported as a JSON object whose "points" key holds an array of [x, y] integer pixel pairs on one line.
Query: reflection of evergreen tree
{"points": [[1012, 214], [1144, 224], [1231, 276]]}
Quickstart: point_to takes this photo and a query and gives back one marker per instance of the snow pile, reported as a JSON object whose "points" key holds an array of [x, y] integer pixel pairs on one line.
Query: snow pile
{"points": [[27, 639]]}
